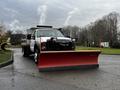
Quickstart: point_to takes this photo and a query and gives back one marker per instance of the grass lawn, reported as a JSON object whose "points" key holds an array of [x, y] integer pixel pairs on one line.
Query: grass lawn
{"points": [[5, 55], [104, 50]]}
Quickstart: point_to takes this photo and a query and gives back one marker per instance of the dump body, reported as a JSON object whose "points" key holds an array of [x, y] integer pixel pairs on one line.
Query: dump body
{"points": [[60, 60]]}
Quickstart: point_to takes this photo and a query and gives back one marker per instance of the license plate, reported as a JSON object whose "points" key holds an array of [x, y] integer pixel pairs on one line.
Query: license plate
{"points": [[64, 44]]}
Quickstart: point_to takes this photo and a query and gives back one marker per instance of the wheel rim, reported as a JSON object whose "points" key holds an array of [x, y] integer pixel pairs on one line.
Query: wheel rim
{"points": [[35, 57]]}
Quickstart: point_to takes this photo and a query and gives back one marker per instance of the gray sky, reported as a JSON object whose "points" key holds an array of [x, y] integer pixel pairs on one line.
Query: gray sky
{"points": [[20, 14]]}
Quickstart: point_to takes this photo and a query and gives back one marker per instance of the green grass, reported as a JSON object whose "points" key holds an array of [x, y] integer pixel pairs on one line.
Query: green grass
{"points": [[5, 55], [104, 50]]}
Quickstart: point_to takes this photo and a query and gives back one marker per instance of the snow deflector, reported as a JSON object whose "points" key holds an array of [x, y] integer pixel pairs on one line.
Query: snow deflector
{"points": [[61, 60]]}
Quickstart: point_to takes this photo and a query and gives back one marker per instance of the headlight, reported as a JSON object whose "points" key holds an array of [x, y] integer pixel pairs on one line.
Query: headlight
{"points": [[43, 46], [73, 40]]}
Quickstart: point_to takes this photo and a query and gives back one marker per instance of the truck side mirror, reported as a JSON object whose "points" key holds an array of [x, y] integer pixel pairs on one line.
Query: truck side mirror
{"points": [[74, 40], [29, 36]]}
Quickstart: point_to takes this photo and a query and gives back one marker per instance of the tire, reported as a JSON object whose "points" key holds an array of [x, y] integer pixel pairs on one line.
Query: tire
{"points": [[25, 51], [73, 48], [25, 54], [3, 46], [36, 54]]}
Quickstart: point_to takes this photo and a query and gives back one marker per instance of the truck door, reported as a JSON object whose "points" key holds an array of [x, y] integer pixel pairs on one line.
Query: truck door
{"points": [[32, 42]]}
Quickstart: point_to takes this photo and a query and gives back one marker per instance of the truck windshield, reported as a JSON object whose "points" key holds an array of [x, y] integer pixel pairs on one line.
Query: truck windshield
{"points": [[49, 33]]}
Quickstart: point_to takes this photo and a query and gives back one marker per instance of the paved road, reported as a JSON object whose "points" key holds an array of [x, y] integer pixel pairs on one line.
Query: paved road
{"points": [[24, 75]]}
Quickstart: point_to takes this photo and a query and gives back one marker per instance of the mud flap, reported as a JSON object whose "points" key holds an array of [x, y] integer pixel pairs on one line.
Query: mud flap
{"points": [[62, 60]]}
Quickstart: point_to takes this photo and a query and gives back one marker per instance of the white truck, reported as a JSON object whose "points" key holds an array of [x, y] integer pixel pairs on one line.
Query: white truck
{"points": [[45, 38]]}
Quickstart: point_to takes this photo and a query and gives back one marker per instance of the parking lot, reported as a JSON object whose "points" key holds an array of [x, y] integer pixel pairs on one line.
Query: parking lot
{"points": [[23, 75]]}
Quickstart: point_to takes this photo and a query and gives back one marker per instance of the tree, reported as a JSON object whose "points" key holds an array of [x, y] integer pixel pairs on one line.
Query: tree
{"points": [[112, 20], [71, 31], [105, 30], [2, 33], [102, 30]]}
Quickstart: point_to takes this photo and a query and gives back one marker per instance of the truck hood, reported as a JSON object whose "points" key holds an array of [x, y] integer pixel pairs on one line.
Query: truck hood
{"points": [[44, 39]]}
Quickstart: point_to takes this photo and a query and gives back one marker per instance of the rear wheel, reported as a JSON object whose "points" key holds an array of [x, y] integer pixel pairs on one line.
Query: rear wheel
{"points": [[25, 50]]}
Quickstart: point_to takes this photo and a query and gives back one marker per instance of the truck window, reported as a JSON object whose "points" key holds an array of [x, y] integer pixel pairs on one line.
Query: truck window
{"points": [[49, 33]]}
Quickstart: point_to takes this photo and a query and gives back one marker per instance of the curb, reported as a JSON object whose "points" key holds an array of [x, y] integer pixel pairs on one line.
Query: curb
{"points": [[8, 62], [109, 54]]}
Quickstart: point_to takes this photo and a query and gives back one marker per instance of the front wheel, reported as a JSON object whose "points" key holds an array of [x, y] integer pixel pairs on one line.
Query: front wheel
{"points": [[36, 56]]}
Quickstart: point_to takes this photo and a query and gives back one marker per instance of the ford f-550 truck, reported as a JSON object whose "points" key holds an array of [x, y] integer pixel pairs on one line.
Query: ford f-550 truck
{"points": [[53, 51]]}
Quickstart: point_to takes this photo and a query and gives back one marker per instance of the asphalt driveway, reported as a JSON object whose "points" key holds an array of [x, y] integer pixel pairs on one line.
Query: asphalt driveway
{"points": [[24, 75]]}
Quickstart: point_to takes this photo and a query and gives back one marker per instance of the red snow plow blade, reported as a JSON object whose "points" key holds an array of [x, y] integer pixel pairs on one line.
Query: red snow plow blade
{"points": [[61, 60]]}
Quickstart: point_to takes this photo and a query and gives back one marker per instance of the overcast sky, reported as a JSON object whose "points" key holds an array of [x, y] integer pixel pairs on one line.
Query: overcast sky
{"points": [[19, 14]]}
